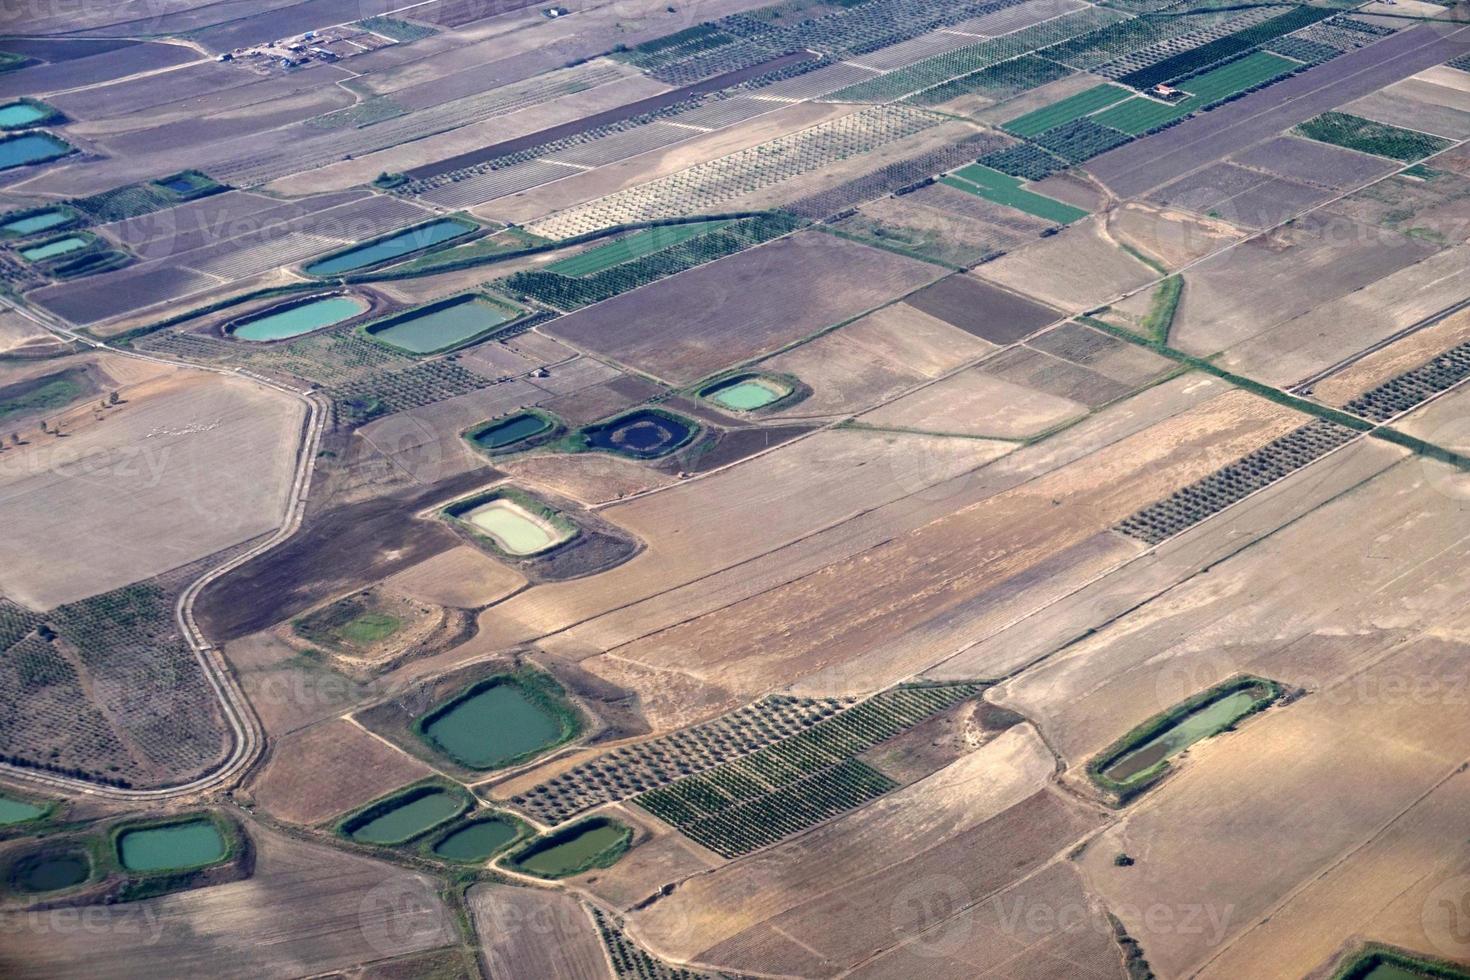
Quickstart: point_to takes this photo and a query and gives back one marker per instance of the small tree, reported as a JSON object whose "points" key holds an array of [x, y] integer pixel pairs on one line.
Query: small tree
{"points": [[112, 398]]}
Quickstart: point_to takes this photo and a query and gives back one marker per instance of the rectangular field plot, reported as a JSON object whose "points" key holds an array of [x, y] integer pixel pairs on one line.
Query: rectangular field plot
{"points": [[1356, 133], [1004, 189], [742, 306], [1075, 107], [1139, 115], [978, 308], [798, 782]]}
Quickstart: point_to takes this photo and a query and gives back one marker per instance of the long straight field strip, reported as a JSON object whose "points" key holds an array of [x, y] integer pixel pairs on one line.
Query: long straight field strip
{"points": [[708, 241], [1407, 391], [755, 168], [1060, 113], [1379, 139], [798, 782], [942, 68], [1003, 81], [1140, 114], [1194, 59], [631, 247], [1006, 190]]}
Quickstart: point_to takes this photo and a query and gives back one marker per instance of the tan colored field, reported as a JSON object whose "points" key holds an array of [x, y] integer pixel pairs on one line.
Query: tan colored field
{"points": [[532, 932], [1398, 357], [828, 899], [592, 478], [853, 626], [308, 909], [1168, 236], [972, 403], [463, 577], [190, 464], [1078, 268], [872, 359], [327, 770]]}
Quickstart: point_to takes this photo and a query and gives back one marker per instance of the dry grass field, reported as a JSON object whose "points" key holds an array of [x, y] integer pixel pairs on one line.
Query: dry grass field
{"points": [[186, 465]]}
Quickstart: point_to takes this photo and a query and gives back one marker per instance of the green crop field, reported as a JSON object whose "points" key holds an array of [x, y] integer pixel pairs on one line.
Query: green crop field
{"points": [[1068, 109], [1006, 190], [1341, 129]]}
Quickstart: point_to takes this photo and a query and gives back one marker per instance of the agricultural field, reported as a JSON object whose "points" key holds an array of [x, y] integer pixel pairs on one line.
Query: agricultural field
{"points": [[797, 489]]}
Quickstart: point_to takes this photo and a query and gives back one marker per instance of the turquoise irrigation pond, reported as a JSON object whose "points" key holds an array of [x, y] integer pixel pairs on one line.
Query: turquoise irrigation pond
{"points": [[30, 148], [300, 319], [178, 845], [19, 114], [567, 855], [33, 223], [50, 250], [493, 726], [17, 811], [746, 394], [478, 840], [408, 820], [448, 325], [388, 248]]}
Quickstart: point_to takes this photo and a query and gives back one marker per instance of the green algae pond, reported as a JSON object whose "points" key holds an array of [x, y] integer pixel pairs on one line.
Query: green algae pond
{"points": [[390, 247], [17, 114], [17, 151], [298, 318], [32, 223], [477, 840], [1200, 722], [500, 434], [171, 847], [51, 872], [496, 723], [513, 528], [595, 843], [441, 326], [402, 818], [50, 250], [746, 393], [18, 811]]}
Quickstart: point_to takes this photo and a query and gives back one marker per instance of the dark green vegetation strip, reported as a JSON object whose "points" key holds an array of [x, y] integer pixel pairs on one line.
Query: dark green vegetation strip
{"points": [[800, 781], [1025, 160], [567, 292], [53, 392], [398, 30], [1081, 139], [1161, 723], [1218, 50], [630, 247], [1378, 956], [1355, 133]]}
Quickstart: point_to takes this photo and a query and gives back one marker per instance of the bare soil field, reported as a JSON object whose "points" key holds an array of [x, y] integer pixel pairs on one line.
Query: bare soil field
{"points": [[106, 66], [826, 900], [307, 909], [329, 769], [1271, 278], [849, 625], [462, 577], [1434, 101], [592, 478], [747, 305], [873, 359], [1059, 377], [976, 307], [532, 932], [187, 465], [1074, 270], [973, 403], [1388, 362], [1306, 160]]}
